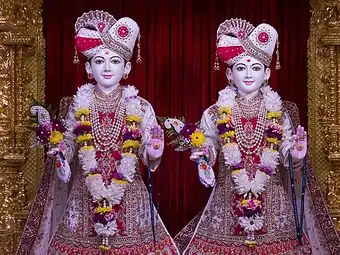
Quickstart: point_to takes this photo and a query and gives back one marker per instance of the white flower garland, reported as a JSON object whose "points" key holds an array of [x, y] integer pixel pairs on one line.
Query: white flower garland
{"points": [[269, 158], [114, 192]]}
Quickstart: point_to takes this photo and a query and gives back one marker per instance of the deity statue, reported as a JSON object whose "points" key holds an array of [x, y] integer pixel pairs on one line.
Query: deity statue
{"points": [[260, 147], [92, 198]]}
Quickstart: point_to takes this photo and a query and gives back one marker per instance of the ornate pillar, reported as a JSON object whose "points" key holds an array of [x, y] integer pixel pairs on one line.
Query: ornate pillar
{"points": [[22, 77], [324, 98]]}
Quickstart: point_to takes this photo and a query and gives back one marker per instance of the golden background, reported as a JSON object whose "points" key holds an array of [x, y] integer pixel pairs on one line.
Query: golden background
{"points": [[22, 77]]}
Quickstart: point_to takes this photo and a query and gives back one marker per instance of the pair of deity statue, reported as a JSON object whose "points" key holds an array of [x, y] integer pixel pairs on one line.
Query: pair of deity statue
{"points": [[92, 199]]}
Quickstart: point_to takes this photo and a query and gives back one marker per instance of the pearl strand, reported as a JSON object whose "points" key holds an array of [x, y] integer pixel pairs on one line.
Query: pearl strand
{"points": [[106, 138], [252, 141]]}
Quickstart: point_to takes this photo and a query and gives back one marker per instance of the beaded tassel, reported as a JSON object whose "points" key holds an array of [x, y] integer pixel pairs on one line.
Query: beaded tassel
{"points": [[75, 56], [139, 57], [278, 64], [216, 65]]}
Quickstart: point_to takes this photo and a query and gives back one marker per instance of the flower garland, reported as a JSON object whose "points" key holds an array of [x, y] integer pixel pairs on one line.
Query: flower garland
{"points": [[249, 192], [107, 195]]}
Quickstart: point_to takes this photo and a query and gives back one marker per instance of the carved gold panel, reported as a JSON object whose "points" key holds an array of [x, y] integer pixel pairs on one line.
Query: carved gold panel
{"points": [[21, 78], [324, 98]]}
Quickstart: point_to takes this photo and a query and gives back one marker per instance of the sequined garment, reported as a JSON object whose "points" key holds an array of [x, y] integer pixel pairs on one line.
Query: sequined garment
{"points": [[216, 229], [60, 226]]}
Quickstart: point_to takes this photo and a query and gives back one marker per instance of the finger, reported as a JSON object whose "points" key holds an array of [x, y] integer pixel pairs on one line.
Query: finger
{"points": [[198, 153], [152, 130], [193, 158], [159, 130], [293, 144], [302, 131], [295, 137], [305, 136]]}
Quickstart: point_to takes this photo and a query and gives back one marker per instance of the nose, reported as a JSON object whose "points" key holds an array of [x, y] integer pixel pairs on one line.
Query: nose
{"points": [[107, 66], [248, 72]]}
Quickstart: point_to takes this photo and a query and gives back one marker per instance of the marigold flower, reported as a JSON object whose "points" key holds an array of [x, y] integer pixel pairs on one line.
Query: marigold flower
{"points": [[197, 138], [56, 137]]}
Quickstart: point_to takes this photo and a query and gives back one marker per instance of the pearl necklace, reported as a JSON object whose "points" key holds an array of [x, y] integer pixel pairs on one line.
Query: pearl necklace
{"points": [[249, 140], [106, 134], [107, 102]]}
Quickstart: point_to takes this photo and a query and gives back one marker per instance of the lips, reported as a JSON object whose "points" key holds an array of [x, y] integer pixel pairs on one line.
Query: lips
{"points": [[248, 83], [107, 76]]}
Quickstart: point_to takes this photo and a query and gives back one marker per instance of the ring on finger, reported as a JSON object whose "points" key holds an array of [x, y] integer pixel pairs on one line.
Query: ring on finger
{"points": [[299, 147]]}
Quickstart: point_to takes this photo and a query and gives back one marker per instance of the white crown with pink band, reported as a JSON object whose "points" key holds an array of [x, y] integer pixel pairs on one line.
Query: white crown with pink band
{"points": [[97, 30], [237, 38]]}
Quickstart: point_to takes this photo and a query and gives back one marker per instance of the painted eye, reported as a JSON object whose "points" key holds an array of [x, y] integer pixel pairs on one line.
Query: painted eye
{"points": [[99, 61], [115, 61], [256, 68], [240, 68]]}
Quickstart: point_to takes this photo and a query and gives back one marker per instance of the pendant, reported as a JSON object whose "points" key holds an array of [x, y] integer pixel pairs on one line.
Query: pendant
{"points": [[105, 244], [250, 240]]}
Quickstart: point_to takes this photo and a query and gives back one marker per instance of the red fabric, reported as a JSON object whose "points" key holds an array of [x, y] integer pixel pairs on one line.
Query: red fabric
{"points": [[178, 46], [84, 44], [226, 53]]}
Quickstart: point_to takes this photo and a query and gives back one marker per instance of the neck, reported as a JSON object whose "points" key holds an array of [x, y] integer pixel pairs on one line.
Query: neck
{"points": [[107, 90], [248, 96]]}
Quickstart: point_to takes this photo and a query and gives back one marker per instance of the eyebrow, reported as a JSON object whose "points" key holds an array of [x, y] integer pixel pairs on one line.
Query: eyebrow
{"points": [[115, 57]]}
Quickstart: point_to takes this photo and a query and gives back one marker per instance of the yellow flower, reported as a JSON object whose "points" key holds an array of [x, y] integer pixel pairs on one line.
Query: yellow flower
{"points": [[89, 175], [56, 137], [225, 110], [131, 144], [197, 138], [82, 111], [223, 121], [83, 138], [246, 201], [132, 118], [228, 134], [104, 247], [230, 144], [87, 148], [86, 123], [128, 154], [235, 171], [272, 115], [273, 140], [103, 210], [121, 182], [132, 127]]}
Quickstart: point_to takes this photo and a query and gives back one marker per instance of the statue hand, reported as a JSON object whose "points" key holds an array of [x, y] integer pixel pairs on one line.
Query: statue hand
{"points": [[206, 174], [155, 145], [196, 155], [299, 144]]}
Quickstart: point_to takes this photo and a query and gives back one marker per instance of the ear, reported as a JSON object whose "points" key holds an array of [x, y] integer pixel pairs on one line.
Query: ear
{"points": [[229, 74], [127, 68], [88, 68], [267, 73]]}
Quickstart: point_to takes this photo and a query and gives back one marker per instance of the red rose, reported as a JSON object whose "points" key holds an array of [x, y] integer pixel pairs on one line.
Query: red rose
{"points": [[116, 155]]}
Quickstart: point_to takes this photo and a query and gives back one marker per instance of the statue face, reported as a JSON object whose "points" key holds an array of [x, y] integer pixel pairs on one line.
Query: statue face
{"points": [[248, 74], [107, 68]]}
